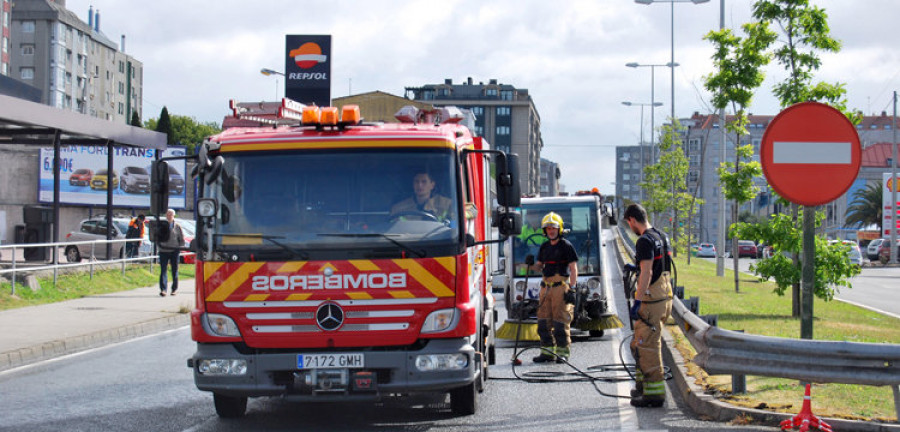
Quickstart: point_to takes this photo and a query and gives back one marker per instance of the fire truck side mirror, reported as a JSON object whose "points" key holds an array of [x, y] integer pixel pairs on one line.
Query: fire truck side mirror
{"points": [[509, 224], [508, 191], [159, 187]]}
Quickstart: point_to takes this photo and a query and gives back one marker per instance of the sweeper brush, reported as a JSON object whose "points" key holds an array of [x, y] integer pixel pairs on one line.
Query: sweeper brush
{"points": [[607, 322], [527, 330]]}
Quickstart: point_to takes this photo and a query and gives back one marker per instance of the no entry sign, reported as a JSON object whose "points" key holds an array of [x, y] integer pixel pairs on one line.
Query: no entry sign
{"points": [[810, 153]]}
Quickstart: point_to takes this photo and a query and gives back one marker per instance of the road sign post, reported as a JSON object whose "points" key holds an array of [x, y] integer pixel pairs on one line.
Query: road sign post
{"points": [[810, 155]]}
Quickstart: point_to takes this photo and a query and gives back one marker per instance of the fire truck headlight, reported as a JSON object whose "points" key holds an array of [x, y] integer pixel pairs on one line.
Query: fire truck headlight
{"points": [[593, 284], [221, 325], [440, 320], [437, 362], [222, 367]]}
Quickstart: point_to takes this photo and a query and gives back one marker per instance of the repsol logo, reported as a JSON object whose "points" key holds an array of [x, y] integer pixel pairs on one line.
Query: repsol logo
{"points": [[323, 282], [308, 76]]}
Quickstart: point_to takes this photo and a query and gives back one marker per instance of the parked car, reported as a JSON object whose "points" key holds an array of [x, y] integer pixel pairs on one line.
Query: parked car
{"points": [[101, 178], [874, 249], [81, 177], [746, 248], [884, 255], [95, 229], [853, 253], [706, 250], [135, 179]]}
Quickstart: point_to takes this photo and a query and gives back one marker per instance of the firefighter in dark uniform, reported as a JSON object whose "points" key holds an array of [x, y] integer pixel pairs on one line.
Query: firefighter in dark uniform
{"points": [[557, 260], [652, 307]]}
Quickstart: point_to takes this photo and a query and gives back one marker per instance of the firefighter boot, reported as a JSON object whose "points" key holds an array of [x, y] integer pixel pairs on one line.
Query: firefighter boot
{"points": [[548, 354], [562, 354], [638, 384], [654, 395]]}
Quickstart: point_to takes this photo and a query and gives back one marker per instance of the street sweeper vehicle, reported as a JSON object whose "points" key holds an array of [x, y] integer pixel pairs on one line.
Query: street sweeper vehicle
{"points": [[583, 217], [342, 260]]}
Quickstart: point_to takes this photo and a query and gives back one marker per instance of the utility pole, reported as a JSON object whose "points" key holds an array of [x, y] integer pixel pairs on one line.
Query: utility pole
{"points": [[720, 237]]}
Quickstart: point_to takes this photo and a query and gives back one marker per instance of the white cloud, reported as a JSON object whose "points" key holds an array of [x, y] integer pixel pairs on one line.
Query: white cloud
{"points": [[570, 56]]}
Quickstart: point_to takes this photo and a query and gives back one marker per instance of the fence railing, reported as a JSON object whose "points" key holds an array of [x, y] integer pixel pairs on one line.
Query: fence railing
{"points": [[721, 351], [90, 261]]}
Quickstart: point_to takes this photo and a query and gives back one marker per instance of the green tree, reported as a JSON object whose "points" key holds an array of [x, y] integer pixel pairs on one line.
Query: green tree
{"points": [[187, 131], [738, 62], [832, 266], [866, 207], [804, 33], [135, 119], [164, 125], [665, 183]]}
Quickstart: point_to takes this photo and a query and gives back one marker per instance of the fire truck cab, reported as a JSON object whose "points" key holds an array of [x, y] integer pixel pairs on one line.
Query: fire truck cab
{"points": [[344, 260]]}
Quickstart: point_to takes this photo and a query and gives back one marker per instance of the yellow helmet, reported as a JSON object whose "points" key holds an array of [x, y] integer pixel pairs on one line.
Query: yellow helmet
{"points": [[552, 220]]}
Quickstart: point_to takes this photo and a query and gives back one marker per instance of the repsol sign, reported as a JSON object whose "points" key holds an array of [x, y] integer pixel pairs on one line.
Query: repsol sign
{"points": [[307, 69], [333, 282], [308, 76]]}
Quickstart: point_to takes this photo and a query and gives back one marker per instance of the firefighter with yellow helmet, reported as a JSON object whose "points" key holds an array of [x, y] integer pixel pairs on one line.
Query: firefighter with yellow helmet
{"points": [[558, 262]]}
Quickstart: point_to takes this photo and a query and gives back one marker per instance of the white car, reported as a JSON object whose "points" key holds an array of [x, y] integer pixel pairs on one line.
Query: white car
{"points": [[874, 248], [854, 254], [706, 250]]}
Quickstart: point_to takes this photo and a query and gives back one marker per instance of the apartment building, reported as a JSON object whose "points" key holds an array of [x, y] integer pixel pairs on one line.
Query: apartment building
{"points": [[73, 64], [505, 115]]}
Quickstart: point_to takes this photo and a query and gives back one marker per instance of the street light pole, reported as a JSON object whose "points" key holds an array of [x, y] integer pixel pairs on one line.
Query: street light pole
{"points": [[652, 105], [653, 153], [270, 72], [672, 61]]}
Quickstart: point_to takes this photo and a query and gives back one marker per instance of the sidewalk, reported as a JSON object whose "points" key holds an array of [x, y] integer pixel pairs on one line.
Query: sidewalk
{"points": [[35, 333]]}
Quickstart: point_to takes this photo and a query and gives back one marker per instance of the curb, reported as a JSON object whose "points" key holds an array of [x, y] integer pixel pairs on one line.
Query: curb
{"points": [[707, 405], [61, 347]]}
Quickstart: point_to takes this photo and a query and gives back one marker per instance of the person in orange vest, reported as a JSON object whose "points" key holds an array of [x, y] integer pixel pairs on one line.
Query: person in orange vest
{"points": [[652, 307], [135, 231]]}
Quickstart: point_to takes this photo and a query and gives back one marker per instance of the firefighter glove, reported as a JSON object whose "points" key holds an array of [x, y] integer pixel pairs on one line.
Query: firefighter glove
{"points": [[635, 316], [569, 297]]}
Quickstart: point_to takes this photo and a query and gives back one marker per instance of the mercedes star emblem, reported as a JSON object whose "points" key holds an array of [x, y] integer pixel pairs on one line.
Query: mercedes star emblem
{"points": [[329, 316]]}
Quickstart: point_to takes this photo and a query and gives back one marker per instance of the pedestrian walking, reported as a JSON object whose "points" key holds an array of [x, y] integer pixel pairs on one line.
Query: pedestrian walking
{"points": [[169, 239]]}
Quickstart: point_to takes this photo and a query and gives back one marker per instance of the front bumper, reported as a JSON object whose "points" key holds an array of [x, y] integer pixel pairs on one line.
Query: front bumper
{"points": [[274, 374]]}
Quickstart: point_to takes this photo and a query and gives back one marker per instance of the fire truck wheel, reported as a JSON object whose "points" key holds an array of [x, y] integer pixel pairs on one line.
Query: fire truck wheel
{"points": [[462, 400], [230, 406]]}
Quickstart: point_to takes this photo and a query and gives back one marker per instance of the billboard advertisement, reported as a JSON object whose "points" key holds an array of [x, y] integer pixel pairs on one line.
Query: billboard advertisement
{"points": [[84, 177], [889, 185], [307, 69]]}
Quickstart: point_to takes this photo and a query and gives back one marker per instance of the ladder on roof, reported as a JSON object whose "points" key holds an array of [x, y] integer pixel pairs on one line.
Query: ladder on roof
{"points": [[286, 112]]}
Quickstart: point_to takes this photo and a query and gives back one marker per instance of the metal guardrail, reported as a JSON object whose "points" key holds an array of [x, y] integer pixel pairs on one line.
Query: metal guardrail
{"points": [[54, 265], [721, 351]]}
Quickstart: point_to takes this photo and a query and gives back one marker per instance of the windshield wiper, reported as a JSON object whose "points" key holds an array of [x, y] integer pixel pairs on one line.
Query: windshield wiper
{"points": [[418, 253], [295, 253]]}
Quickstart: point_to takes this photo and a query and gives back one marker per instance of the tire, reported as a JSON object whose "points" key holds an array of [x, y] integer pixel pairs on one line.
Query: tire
{"points": [[596, 333], [463, 400], [230, 406], [72, 254]]}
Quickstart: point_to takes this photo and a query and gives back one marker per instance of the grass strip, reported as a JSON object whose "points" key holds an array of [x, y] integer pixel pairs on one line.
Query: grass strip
{"points": [[758, 310], [80, 284]]}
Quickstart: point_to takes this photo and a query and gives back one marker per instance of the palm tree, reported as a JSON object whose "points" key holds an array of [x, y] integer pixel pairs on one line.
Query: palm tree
{"points": [[865, 209]]}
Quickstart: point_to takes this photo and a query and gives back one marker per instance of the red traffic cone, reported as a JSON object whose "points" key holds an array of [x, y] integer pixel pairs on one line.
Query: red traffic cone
{"points": [[805, 419]]}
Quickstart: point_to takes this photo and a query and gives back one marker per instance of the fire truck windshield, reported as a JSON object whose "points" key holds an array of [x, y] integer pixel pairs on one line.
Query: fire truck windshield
{"points": [[582, 230], [385, 202]]}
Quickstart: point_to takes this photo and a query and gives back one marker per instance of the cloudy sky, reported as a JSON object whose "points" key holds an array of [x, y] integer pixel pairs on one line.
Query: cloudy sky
{"points": [[570, 56]]}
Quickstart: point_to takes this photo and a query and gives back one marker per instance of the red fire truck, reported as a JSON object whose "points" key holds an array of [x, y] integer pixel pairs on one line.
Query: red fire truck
{"points": [[344, 260]]}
